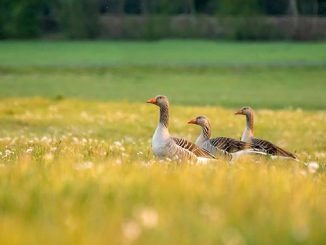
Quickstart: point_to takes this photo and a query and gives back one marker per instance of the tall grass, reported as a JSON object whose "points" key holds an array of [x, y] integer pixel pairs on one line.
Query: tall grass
{"points": [[83, 172]]}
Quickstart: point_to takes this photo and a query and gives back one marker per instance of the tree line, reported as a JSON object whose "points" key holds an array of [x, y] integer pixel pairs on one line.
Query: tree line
{"points": [[80, 18]]}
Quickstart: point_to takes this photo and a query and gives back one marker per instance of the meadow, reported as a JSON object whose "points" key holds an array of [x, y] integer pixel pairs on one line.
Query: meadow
{"points": [[75, 132]]}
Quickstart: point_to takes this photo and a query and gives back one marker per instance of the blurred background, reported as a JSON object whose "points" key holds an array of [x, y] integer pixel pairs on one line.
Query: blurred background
{"points": [[148, 19], [230, 53]]}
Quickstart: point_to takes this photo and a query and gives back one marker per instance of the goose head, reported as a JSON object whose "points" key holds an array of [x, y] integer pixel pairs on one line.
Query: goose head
{"points": [[200, 120], [159, 100], [246, 110]]}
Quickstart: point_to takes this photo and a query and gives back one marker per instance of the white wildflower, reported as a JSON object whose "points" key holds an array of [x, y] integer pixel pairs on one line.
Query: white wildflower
{"points": [[131, 230], [48, 156], [8, 153], [46, 139], [117, 143], [149, 217], [29, 150], [84, 165], [312, 167], [53, 149]]}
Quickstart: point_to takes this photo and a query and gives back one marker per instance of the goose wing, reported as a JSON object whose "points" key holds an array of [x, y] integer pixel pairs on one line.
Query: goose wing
{"points": [[270, 148], [185, 144], [229, 145]]}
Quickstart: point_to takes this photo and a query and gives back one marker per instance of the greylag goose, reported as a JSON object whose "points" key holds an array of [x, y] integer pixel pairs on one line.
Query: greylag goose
{"points": [[165, 146], [260, 144], [220, 145]]}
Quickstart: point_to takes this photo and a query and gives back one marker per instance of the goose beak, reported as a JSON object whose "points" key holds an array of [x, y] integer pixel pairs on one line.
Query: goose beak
{"points": [[239, 112], [193, 121], [152, 101]]}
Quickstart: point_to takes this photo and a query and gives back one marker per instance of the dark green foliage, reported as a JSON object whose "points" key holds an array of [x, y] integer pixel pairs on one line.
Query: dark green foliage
{"points": [[79, 18], [20, 18], [240, 7], [83, 18], [256, 29]]}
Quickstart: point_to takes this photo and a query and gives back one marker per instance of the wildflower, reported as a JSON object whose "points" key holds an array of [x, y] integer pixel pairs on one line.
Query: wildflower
{"points": [[312, 167], [131, 230], [117, 143], [53, 149], [48, 157], [29, 150], [8, 153], [45, 139], [85, 165], [149, 217]]}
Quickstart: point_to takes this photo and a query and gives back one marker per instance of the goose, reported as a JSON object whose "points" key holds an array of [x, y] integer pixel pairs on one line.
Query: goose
{"points": [[263, 145], [165, 146], [220, 145]]}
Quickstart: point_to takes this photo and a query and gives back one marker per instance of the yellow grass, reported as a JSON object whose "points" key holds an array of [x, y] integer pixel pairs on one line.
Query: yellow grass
{"points": [[83, 172]]}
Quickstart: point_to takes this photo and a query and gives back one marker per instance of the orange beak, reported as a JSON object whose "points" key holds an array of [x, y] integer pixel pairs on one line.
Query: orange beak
{"points": [[193, 121], [239, 112], [152, 101]]}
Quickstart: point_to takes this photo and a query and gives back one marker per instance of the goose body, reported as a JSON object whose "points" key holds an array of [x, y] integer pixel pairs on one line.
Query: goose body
{"points": [[261, 145], [165, 146], [227, 147]]}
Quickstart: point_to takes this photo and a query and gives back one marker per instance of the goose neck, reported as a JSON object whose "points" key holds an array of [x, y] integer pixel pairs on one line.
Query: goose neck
{"points": [[164, 115], [250, 122]]}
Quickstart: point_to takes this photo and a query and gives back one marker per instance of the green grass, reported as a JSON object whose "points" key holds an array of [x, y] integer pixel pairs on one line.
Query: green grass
{"points": [[263, 75], [231, 87], [83, 172], [171, 53]]}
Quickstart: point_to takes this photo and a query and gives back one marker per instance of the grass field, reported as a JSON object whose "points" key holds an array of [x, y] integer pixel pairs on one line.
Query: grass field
{"points": [[274, 75], [164, 53], [75, 160], [83, 172]]}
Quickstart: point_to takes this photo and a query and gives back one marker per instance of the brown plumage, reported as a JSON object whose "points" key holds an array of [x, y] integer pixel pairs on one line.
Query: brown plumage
{"points": [[192, 147], [271, 149], [224, 146], [165, 146], [228, 144], [261, 145]]}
